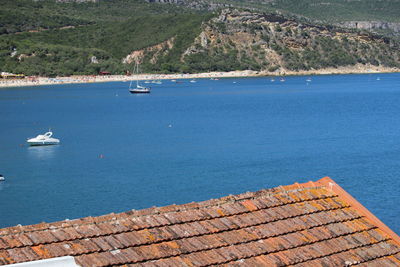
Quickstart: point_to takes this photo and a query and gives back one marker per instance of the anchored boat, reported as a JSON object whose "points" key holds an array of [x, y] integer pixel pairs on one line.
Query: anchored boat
{"points": [[138, 89], [43, 140]]}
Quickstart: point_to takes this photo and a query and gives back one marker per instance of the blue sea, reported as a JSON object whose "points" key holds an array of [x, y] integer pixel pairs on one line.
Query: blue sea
{"points": [[196, 141]]}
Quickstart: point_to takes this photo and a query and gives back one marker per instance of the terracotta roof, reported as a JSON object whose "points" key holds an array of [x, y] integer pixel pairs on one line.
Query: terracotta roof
{"points": [[311, 224]]}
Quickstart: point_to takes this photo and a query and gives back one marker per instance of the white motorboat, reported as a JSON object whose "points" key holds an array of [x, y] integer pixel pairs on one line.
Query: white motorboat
{"points": [[43, 140], [2, 178]]}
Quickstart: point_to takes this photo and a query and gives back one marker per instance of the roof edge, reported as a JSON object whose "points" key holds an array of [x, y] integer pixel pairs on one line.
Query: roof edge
{"points": [[331, 185]]}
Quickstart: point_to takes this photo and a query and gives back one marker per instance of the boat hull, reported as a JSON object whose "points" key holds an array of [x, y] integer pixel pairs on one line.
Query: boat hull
{"points": [[133, 91], [42, 143]]}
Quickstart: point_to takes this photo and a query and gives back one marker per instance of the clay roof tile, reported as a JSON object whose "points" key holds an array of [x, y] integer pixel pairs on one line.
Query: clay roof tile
{"points": [[311, 224]]}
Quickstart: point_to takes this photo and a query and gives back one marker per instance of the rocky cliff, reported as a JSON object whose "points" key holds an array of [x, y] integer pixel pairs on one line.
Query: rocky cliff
{"points": [[373, 25], [236, 40]]}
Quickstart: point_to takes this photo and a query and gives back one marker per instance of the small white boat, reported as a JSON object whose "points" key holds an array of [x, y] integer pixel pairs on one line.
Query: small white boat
{"points": [[193, 81], [2, 178], [43, 140], [308, 80], [138, 89]]}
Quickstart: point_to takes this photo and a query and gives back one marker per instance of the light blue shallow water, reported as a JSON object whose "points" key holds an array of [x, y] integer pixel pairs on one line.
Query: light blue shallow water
{"points": [[226, 138]]}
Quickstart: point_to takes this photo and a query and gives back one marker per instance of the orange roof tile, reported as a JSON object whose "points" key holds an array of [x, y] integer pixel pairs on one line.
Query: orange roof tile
{"points": [[310, 224]]}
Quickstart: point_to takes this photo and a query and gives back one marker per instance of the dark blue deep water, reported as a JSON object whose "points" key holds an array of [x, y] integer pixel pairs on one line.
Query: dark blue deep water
{"points": [[225, 138]]}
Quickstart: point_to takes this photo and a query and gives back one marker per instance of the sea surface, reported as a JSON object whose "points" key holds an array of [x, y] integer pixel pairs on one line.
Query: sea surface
{"points": [[196, 141]]}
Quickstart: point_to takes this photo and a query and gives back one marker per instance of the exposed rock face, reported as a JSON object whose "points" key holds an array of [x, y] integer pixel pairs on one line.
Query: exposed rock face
{"points": [[373, 25], [154, 51], [271, 41], [94, 60], [239, 40]]}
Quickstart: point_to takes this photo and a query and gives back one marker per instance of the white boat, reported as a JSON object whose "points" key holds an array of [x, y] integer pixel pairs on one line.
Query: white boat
{"points": [[308, 80], [2, 178], [193, 81], [138, 89], [43, 140]]}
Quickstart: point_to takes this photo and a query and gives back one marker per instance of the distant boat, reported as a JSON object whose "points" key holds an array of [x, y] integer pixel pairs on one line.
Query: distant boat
{"points": [[43, 140], [378, 79], [193, 81], [2, 177], [272, 80], [173, 81], [308, 80], [156, 82], [282, 79], [138, 89], [146, 81]]}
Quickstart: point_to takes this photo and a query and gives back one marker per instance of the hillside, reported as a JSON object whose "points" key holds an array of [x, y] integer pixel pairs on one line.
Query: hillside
{"points": [[381, 16], [53, 38], [327, 10], [248, 40]]}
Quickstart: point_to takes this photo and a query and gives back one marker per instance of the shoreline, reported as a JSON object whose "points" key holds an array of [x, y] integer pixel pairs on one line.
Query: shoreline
{"points": [[82, 79]]}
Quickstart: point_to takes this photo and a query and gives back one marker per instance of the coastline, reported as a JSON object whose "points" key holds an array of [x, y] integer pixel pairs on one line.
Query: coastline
{"points": [[38, 81]]}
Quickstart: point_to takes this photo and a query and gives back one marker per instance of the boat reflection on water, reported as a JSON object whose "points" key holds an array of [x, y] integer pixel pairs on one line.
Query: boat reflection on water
{"points": [[3, 186], [42, 152]]}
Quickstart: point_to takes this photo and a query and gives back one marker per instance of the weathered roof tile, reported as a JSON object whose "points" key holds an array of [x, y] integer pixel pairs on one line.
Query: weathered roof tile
{"points": [[312, 224]]}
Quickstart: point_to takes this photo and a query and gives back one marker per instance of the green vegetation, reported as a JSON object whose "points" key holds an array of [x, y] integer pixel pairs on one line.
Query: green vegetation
{"points": [[324, 10], [342, 10], [49, 38], [108, 30]]}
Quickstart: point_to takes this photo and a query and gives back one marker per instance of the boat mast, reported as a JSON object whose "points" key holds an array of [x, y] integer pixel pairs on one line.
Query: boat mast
{"points": [[137, 73]]}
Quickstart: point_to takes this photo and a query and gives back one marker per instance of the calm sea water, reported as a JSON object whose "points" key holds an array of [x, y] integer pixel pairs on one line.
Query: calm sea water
{"points": [[195, 141]]}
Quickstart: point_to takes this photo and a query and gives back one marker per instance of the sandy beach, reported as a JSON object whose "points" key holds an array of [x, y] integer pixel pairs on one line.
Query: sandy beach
{"points": [[37, 81]]}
